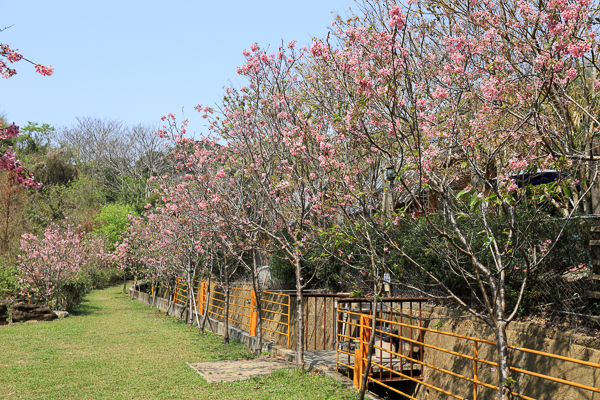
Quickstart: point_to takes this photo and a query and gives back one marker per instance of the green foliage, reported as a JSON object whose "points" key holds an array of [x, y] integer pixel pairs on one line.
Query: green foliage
{"points": [[113, 221], [79, 201], [423, 244], [8, 277], [32, 139], [35, 138], [72, 293], [329, 270], [55, 167]]}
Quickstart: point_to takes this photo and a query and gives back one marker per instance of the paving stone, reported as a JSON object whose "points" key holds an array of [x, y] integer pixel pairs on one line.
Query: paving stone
{"points": [[235, 370]]}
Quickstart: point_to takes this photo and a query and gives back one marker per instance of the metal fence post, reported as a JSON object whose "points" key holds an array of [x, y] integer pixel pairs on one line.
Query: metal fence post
{"points": [[176, 291], [253, 314], [474, 370]]}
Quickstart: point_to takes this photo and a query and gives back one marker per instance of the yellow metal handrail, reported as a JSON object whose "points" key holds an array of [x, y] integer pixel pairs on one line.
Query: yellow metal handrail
{"points": [[285, 325], [245, 316], [364, 333]]}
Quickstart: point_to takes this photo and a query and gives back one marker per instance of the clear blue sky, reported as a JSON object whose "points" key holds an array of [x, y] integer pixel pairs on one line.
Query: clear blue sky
{"points": [[136, 60]]}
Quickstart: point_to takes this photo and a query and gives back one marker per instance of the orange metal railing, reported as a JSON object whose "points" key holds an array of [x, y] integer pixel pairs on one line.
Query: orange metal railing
{"points": [[270, 311], [240, 309], [180, 294], [358, 331], [242, 306]]}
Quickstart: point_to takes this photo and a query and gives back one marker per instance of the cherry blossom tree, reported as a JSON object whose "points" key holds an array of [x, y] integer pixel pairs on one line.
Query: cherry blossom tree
{"points": [[52, 267], [468, 102], [9, 56], [8, 160], [282, 149]]}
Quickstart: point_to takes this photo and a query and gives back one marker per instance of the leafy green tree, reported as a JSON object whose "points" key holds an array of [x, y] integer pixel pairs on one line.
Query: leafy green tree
{"points": [[113, 221]]}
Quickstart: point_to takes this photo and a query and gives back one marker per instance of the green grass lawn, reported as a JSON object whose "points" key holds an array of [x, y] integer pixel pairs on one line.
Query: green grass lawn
{"points": [[116, 348]]}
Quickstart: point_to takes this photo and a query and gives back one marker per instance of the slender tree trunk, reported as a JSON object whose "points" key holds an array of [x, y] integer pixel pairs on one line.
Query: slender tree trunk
{"points": [[154, 293], [256, 287], [594, 178], [195, 309], [205, 316], [189, 301], [226, 310], [365, 377], [504, 378], [299, 312], [185, 307], [170, 291]]}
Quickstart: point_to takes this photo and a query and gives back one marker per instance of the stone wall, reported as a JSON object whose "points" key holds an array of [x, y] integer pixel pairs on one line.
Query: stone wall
{"points": [[519, 334], [3, 314]]}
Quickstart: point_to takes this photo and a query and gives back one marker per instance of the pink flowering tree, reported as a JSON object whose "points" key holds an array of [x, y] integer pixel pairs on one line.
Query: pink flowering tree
{"points": [[469, 104], [147, 251], [195, 194], [10, 56], [52, 268], [8, 161], [228, 211], [281, 148]]}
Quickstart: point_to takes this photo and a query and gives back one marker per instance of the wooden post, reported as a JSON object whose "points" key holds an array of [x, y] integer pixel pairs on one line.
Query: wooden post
{"points": [[594, 176], [594, 261], [198, 294], [361, 353]]}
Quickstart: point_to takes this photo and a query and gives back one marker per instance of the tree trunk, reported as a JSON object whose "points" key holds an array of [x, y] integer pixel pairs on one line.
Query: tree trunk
{"points": [[195, 312], [256, 288], [190, 308], [504, 378], [299, 312], [205, 316], [154, 293], [170, 291], [365, 377], [226, 310], [190, 297], [594, 171], [185, 307]]}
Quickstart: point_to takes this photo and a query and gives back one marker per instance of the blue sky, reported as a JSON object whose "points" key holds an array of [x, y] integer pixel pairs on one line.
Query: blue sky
{"points": [[138, 60]]}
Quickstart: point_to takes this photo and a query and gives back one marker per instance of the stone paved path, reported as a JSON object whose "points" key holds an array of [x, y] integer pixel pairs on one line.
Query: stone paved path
{"points": [[235, 370]]}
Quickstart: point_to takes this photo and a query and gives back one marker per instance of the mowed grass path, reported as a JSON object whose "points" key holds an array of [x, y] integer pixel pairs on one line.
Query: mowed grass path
{"points": [[116, 348]]}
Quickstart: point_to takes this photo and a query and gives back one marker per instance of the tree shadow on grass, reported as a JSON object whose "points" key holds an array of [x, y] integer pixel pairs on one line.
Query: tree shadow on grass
{"points": [[85, 308]]}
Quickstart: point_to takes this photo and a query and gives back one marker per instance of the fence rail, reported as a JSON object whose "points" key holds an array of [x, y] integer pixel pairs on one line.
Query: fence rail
{"points": [[383, 367], [267, 309], [242, 307]]}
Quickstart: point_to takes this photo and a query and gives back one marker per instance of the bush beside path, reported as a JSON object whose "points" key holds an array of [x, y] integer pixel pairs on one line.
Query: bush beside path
{"points": [[115, 348]]}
